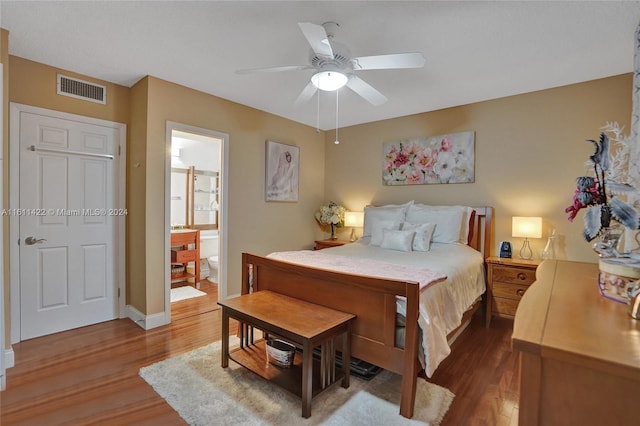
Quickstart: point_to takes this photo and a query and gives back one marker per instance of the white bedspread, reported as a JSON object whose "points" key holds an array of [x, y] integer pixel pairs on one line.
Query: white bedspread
{"points": [[360, 266], [441, 305]]}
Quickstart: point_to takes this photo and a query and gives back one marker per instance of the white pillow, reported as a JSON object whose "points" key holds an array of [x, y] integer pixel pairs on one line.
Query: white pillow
{"points": [[388, 212], [377, 229], [397, 240], [452, 222], [424, 233], [407, 204]]}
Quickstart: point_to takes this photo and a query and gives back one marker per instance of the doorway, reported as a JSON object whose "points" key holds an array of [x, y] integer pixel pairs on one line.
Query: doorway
{"points": [[195, 197]]}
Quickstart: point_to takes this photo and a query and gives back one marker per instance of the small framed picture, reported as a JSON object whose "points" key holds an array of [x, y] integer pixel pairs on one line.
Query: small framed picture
{"points": [[282, 169]]}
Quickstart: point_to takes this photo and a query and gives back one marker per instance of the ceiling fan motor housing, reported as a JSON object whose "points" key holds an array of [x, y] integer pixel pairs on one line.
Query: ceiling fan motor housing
{"points": [[341, 60]]}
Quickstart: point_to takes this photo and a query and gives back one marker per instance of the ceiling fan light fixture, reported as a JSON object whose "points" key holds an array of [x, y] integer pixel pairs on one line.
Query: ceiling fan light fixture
{"points": [[329, 80]]}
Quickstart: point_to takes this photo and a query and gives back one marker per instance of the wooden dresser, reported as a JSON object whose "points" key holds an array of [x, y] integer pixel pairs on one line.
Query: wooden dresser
{"points": [[579, 352]]}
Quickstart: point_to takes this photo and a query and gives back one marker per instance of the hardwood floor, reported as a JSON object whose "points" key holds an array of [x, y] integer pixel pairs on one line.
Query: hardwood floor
{"points": [[197, 305], [90, 375], [482, 371]]}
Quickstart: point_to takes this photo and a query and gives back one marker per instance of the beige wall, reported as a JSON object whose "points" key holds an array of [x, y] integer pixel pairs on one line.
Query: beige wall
{"points": [[136, 182], [32, 83], [253, 224], [529, 150]]}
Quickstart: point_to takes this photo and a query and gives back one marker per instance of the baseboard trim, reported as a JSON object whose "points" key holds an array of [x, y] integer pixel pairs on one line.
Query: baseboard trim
{"points": [[9, 358], [147, 322]]}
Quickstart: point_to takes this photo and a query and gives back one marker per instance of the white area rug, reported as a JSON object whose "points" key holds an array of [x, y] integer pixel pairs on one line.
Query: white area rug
{"points": [[203, 393], [185, 292]]}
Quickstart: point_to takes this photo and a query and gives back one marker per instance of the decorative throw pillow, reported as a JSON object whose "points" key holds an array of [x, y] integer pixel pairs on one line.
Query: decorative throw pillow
{"points": [[377, 230], [424, 233], [387, 212], [397, 240]]}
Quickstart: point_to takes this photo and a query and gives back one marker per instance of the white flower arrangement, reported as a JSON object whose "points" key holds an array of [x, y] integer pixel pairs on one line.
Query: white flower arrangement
{"points": [[333, 215]]}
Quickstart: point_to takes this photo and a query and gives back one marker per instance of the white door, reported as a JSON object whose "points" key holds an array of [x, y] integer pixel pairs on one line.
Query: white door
{"points": [[68, 226]]}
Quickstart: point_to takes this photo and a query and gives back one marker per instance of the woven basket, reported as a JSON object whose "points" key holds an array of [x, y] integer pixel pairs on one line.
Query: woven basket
{"points": [[280, 353], [177, 270]]}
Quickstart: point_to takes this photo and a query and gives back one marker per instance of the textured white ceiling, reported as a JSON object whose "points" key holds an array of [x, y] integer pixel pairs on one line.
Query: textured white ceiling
{"points": [[475, 50]]}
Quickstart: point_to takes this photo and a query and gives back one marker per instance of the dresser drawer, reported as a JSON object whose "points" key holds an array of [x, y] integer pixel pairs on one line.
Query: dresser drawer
{"points": [[509, 291], [180, 256], [510, 274], [503, 306]]}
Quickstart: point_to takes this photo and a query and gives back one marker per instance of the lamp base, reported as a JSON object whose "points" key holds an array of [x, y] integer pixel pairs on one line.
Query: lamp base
{"points": [[353, 235], [525, 251]]}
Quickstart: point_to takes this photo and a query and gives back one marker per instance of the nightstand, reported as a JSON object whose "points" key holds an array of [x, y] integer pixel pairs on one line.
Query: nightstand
{"points": [[323, 244], [507, 280]]}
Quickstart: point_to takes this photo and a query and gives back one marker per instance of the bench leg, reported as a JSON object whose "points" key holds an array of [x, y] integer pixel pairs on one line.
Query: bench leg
{"points": [[307, 384], [346, 357], [225, 338]]}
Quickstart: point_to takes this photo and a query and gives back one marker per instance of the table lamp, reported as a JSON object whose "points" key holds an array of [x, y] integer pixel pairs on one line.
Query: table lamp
{"points": [[526, 227], [354, 220]]}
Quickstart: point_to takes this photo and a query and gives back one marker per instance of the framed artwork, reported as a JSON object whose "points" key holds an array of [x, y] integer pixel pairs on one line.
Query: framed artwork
{"points": [[435, 159], [282, 168]]}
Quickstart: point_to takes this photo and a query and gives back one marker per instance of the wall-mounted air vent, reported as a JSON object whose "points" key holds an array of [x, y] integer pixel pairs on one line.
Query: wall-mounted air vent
{"points": [[80, 89]]}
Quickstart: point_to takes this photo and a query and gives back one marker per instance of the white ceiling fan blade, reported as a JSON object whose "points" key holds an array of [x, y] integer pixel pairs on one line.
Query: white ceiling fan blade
{"points": [[365, 90], [306, 94], [393, 61], [317, 38], [274, 69]]}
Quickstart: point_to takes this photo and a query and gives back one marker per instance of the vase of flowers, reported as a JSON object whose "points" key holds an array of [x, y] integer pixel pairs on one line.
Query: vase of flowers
{"points": [[611, 200], [331, 215], [605, 194]]}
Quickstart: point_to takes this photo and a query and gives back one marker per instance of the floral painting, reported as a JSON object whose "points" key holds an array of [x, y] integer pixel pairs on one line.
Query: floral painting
{"points": [[436, 159]]}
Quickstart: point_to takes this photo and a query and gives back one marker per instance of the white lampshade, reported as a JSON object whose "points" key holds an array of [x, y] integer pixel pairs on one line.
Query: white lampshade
{"points": [[329, 80], [354, 219], [526, 227]]}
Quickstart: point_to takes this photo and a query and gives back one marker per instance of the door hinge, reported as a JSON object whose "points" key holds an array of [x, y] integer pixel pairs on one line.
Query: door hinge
{"points": [[118, 292], [118, 150]]}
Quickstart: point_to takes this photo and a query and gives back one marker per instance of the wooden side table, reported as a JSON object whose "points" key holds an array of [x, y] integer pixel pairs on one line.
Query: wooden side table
{"points": [[323, 244], [185, 249], [304, 324], [507, 280]]}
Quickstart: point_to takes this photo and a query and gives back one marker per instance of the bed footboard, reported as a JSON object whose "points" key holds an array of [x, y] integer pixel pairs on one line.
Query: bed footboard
{"points": [[371, 299]]}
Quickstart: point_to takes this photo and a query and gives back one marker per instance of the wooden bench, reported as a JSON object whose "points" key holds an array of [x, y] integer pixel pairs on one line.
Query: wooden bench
{"points": [[303, 324]]}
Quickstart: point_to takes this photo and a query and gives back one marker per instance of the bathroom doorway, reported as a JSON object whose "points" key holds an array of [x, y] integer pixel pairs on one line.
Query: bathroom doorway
{"points": [[196, 217]]}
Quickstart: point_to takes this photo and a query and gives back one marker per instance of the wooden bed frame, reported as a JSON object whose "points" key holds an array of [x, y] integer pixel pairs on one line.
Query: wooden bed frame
{"points": [[372, 300]]}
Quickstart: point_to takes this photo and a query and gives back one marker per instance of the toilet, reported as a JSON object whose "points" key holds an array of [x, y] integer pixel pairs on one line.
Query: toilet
{"points": [[209, 255]]}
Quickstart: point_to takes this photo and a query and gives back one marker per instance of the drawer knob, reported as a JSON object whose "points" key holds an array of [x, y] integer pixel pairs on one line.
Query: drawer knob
{"points": [[522, 276], [519, 292]]}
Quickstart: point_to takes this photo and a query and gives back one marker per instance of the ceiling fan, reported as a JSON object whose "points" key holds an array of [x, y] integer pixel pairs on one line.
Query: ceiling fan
{"points": [[334, 66]]}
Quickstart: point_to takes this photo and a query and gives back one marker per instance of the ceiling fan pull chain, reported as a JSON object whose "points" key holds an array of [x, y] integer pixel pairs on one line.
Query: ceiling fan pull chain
{"points": [[337, 141], [318, 114]]}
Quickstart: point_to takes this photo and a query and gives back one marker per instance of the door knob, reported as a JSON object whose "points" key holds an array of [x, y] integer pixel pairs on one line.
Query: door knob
{"points": [[31, 241]]}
